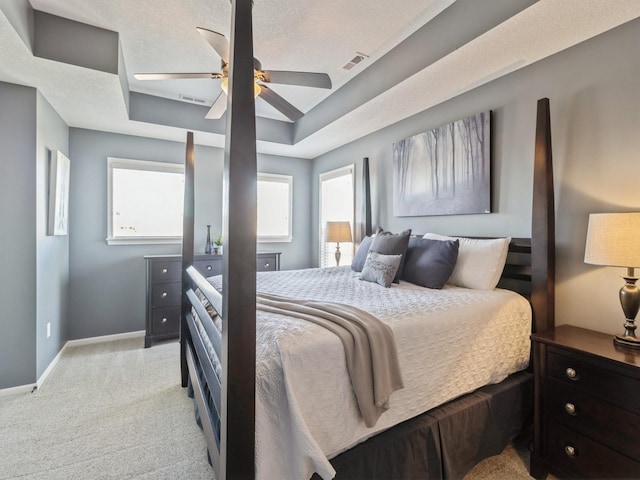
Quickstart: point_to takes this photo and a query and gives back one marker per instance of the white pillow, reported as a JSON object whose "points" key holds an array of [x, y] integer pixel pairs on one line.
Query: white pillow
{"points": [[480, 261]]}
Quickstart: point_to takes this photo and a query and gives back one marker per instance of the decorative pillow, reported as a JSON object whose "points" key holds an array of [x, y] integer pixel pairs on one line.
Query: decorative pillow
{"points": [[389, 243], [380, 269], [361, 254], [429, 263], [480, 261]]}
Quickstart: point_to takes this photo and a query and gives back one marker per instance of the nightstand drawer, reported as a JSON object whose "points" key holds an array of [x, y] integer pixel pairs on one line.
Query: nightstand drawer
{"points": [[166, 271], [165, 294], [165, 320], [209, 268], [266, 263], [579, 456], [611, 425], [603, 383]]}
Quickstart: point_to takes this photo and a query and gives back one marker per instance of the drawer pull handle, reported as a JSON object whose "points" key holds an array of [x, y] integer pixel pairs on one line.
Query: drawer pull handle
{"points": [[209, 268], [163, 295], [571, 374], [267, 264], [570, 451], [570, 408], [164, 320], [164, 270]]}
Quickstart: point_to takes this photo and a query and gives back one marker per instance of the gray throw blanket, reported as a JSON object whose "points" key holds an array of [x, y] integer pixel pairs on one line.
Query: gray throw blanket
{"points": [[369, 346]]}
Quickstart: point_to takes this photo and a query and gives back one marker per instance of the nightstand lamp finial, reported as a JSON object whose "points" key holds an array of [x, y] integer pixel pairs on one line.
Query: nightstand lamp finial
{"points": [[613, 239]]}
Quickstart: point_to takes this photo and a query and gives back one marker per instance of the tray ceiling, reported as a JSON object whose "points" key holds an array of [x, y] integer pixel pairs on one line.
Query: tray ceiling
{"points": [[320, 36]]}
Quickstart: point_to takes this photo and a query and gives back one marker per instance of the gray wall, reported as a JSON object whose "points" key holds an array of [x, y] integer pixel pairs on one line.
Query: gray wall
{"points": [[595, 117], [17, 235], [52, 252], [35, 267], [107, 284]]}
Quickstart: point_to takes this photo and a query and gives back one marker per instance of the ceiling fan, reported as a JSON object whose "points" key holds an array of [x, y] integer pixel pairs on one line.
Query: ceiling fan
{"points": [[261, 77]]}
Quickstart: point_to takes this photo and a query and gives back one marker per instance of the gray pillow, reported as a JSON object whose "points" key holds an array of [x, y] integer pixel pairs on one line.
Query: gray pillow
{"points": [[379, 268], [429, 263], [361, 254], [389, 243]]}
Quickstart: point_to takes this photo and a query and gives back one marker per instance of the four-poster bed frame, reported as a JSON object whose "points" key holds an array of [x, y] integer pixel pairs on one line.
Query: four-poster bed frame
{"points": [[229, 424]]}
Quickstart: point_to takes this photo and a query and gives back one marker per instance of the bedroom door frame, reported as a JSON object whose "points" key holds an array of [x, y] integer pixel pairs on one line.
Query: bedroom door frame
{"points": [[343, 171]]}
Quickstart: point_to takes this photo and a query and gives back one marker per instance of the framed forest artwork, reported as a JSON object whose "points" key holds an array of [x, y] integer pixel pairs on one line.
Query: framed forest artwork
{"points": [[445, 171]]}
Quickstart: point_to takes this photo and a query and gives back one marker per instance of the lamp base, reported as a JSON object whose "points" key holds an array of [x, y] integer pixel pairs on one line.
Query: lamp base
{"points": [[630, 301], [627, 341]]}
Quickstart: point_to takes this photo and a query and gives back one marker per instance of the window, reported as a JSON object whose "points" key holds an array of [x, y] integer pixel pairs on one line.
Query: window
{"points": [[337, 194], [145, 201], [275, 207]]}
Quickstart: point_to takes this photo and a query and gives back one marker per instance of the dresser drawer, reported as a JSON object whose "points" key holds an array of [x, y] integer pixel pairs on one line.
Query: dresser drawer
{"points": [[266, 263], [166, 294], [603, 383], [209, 268], [582, 457], [166, 271], [611, 425], [165, 320]]}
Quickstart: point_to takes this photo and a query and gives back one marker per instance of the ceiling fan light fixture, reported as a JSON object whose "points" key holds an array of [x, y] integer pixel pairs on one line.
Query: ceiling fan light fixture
{"points": [[225, 88]]}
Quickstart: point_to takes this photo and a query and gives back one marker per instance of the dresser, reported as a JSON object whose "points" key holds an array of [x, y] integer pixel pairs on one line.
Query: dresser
{"points": [[164, 283], [587, 406]]}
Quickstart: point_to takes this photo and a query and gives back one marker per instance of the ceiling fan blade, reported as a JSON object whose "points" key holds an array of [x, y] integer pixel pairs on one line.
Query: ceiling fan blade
{"points": [[304, 79], [175, 76], [218, 41], [279, 103], [218, 108]]}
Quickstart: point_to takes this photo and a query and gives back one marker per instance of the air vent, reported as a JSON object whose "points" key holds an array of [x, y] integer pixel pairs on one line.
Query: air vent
{"points": [[190, 99], [355, 60]]}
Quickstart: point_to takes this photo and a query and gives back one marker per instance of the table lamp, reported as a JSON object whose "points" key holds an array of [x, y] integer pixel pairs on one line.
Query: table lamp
{"points": [[613, 239], [337, 232]]}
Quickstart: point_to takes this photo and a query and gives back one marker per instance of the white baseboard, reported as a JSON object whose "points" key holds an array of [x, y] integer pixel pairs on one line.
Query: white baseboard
{"points": [[105, 338], [49, 369], [5, 392]]}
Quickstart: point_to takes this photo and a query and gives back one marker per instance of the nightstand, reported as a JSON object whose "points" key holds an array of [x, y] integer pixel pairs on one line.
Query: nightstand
{"points": [[164, 284], [587, 406]]}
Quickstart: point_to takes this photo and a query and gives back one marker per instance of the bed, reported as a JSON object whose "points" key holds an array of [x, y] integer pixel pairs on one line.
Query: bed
{"points": [[305, 406], [258, 424]]}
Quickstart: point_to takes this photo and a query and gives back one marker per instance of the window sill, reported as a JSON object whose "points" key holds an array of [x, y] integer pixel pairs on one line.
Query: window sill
{"points": [[144, 240], [274, 239]]}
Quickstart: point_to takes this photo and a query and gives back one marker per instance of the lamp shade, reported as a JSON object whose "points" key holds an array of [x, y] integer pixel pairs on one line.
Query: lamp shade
{"points": [[613, 239], [338, 232]]}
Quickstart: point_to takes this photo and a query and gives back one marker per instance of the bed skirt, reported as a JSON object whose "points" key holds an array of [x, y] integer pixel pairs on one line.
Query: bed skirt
{"points": [[445, 442]]}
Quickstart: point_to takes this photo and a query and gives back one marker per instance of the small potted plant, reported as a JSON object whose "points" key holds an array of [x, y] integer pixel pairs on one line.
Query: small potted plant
{"points": [[217, 244]]}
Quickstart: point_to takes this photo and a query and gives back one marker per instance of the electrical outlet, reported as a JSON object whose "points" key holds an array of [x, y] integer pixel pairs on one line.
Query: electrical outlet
{"points": [[48, 329]]}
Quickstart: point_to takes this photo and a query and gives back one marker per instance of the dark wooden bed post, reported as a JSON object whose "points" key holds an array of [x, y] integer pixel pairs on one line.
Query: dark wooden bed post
{"points": [[542, 264], [543, 225], [368, 228], [187, 252], [237, 437]]}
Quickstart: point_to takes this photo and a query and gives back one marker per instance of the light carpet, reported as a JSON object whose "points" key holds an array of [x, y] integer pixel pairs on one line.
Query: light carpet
{"points": [[117, 411], [107, 411]]}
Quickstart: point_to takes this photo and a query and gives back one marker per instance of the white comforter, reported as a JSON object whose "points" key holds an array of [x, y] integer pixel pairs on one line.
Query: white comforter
{"points": [[450, 342]]}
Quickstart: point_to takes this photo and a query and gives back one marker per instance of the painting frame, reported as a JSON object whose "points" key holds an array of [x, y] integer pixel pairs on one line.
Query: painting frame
{"points": [[59, 176], [444, 171]]}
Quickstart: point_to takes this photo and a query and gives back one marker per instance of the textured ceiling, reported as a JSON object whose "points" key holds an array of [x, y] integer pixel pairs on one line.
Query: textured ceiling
{"points": [[310, 35]]}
